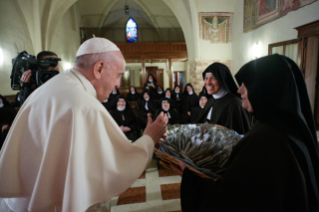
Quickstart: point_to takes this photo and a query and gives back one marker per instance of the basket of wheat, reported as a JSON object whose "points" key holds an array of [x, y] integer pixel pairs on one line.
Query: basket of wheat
{"points": [[203, 148]]}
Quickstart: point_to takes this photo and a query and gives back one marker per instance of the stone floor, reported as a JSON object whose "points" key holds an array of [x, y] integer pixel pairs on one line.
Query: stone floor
{"points": [[157, 190]]}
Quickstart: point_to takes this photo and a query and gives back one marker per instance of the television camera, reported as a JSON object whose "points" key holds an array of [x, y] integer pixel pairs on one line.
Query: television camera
{"points": [[24, 62]]}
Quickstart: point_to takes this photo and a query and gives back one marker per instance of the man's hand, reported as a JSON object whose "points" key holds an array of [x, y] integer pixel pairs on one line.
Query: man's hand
{"points": [[26, 76], [157, 128]]}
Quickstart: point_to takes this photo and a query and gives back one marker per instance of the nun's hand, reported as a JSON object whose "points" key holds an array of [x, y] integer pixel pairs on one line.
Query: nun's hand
{"points": [[178, 170]]}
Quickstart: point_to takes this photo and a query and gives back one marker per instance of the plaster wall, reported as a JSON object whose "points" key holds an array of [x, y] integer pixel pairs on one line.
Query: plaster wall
{"points": [[278, 30], [14, 38], [208, 50], [66, 39]]}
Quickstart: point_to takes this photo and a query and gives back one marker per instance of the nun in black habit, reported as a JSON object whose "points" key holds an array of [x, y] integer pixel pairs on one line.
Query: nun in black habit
{"points": [[178, 92], [151, 82], [169, 110], [132, 95], [16, 103], [113, 95], [146, 106], [224, 108], [198, 109], [169, 93], [275, 166], [188, 102], [160, 93], [126, 118]]}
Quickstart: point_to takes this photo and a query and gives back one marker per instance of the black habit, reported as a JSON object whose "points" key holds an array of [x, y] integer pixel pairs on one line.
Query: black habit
{"points": [[173, 115], [227, 111], [160, 95], [188, 102], [132, 97], [7, 115], [142, 110], [126, 118], [195, 114]]}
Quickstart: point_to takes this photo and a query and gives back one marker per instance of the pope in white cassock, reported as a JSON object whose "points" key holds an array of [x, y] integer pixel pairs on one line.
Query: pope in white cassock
{"points": [[64, 152]]}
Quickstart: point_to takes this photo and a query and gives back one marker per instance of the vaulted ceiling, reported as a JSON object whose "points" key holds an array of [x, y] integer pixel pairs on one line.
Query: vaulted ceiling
{"points": [[111, 13]]}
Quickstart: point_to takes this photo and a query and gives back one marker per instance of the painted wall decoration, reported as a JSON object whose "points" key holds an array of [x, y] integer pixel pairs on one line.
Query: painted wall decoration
{"points": [[259, 12], [215, 27]]}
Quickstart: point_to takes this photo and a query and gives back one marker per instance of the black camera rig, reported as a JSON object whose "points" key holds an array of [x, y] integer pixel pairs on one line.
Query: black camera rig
{"points": [[24, 62]]}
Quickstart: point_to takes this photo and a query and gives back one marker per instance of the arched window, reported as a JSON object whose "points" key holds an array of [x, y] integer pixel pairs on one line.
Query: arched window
{"points": [[131, 31]]}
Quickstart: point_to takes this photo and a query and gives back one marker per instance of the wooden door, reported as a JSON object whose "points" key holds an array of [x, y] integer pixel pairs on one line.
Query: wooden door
{"points": [[160, 77], [157, 73]]}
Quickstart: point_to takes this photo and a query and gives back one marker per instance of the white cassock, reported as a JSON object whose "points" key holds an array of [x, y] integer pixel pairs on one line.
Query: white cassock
{"points": [[64, 151]]}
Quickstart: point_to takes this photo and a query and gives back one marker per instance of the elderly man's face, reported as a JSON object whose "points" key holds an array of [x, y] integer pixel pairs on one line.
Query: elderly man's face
{"points": [[110, 77]]}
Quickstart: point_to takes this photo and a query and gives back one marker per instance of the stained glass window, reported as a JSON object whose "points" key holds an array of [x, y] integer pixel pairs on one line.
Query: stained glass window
{"points": [[131, 31]]}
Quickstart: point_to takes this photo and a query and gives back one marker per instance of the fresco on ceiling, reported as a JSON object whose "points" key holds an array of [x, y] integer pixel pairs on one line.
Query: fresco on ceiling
{"points": [[215, 27], [259, 12], [131, 31]]}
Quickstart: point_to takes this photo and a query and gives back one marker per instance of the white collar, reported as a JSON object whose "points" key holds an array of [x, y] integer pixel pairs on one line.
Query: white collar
{"points": [[221, 93], [120, 108]]}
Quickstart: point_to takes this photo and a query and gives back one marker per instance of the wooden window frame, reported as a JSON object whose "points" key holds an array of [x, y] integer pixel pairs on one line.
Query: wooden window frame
{"points": [[283, 44]]}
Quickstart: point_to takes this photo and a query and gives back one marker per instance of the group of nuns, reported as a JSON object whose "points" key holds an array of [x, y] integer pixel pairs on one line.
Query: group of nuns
{"points": [[181, 108]]}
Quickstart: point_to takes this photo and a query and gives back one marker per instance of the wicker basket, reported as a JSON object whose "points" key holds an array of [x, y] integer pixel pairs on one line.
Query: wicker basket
{"points": [[166, 160]]}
